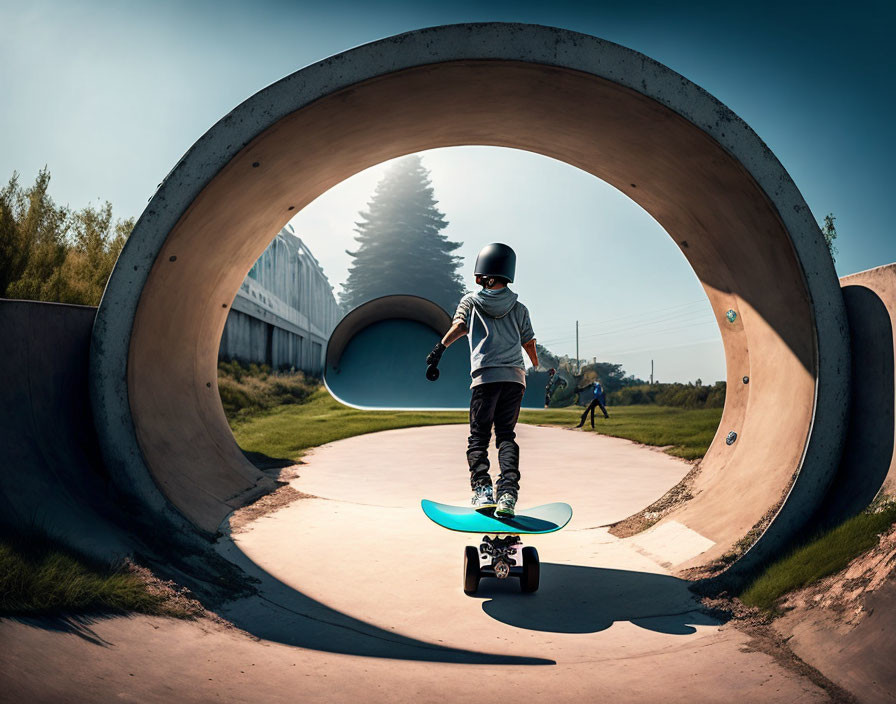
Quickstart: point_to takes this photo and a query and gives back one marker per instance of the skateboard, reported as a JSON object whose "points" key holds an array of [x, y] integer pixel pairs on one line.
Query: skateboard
{"points": [[501, 553]]}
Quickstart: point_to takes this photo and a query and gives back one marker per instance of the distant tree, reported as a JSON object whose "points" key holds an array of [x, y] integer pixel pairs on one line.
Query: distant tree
{"points": [[830, 234], [94, 246], [612, 376], [49, 253], [401, 248], [32, 238], [680, 395]]}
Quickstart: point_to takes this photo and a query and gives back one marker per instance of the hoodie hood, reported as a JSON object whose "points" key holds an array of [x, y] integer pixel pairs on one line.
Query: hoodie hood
{"points": [[495, 303]]}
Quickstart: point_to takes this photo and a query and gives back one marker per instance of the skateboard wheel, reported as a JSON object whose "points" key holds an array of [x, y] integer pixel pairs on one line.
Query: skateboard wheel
{"points": [[471, 570], [432, 372], [531, 570]]}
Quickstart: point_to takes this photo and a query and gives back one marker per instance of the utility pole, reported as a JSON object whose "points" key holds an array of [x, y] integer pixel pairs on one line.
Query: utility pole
{"points": [[578, 368], [651, 372]]}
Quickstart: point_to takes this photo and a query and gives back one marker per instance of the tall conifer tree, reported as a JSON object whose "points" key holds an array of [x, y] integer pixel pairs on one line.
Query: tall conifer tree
{"points": [[401, 248]]}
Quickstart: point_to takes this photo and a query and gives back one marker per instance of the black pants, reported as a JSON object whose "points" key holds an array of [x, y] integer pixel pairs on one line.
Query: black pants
{"points": [[591, 407], [495, 404]]}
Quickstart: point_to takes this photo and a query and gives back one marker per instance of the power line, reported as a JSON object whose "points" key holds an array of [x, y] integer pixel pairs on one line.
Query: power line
{"points": [[665, 347], [655, 321], [638, 316], [687, 315], [665, 331], [609, 354]]}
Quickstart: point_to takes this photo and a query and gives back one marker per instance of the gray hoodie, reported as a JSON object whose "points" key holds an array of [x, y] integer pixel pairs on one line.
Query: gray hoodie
{"points": [[497, 327]]}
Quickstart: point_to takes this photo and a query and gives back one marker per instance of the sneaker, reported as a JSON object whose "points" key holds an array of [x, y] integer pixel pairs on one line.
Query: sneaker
{"points": [[505, 506], [483, 496]]}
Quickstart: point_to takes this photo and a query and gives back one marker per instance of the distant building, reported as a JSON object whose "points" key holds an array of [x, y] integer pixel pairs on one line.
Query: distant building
{"points": [[284, 311]]}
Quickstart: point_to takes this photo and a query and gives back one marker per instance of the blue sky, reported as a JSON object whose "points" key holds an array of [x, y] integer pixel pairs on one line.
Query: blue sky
{"points": [[110, 94]]}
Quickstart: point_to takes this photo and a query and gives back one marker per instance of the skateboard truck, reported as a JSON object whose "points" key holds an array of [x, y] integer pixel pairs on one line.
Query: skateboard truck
{"points": [[501, 556], [501, 553]]}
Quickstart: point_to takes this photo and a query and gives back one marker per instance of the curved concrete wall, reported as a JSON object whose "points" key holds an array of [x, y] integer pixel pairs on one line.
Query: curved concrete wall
{"points": [[376, 359], [661, 140], [402, 307], [869, 457], [51, 473]]}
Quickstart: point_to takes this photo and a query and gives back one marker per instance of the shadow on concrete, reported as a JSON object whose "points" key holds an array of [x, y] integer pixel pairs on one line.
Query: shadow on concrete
{"points": [[868, 450], [577, 599], [265, 462], [51, 477], [76, 625], [281, 614]]}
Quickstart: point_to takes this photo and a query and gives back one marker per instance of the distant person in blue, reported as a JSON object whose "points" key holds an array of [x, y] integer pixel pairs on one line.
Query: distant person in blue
{"points": [[598, 399], [555, 382], [499, 329]]}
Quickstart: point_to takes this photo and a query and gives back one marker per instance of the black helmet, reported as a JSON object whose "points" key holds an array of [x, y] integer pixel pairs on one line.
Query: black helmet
{"points": [[496, 260]]}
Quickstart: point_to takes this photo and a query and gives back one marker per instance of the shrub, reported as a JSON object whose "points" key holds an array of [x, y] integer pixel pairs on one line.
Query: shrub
{"points": [[677, 395], [251, 389]]}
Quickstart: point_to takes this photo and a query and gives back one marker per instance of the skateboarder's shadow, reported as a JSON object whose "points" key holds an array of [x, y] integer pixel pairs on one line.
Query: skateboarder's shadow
{"points": [[577, 599]]}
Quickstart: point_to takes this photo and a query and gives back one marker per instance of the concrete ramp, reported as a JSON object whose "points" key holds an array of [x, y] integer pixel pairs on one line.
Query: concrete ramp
{"points": [[869, 454], [375, 359], [51, 476]]}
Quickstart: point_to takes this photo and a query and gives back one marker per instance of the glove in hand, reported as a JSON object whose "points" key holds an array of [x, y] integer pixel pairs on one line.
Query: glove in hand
{"points": [[433, 357]]}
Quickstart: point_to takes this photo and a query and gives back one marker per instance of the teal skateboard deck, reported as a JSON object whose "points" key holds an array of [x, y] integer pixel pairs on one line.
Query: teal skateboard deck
{"points": [[540, 519], [500, 553]]}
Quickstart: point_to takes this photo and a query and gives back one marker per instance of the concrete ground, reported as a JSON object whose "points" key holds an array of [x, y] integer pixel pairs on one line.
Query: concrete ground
{"points": [[361, 598]]}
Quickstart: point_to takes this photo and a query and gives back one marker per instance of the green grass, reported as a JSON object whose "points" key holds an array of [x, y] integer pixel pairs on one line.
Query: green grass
{"points": [[824, 555], [689, 432], [39, 577], [287, 431]]}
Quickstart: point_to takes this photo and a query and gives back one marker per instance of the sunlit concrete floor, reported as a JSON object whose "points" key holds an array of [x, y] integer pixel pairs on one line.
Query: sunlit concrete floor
{"points": [[361, 599]]}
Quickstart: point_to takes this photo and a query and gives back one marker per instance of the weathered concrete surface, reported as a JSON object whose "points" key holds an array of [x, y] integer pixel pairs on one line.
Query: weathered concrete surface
{"points": [[608, 623], [154, 660], [365, 548], [857, 656], [51, 474], [682, 155]]}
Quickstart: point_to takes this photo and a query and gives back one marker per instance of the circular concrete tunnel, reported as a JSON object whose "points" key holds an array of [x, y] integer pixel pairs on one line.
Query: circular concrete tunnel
{"points": [[684, 157], [373, 359]]}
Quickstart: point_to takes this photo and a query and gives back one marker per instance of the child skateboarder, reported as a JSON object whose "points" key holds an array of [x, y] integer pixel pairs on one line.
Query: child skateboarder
{"points": [[598, 399], [498, 326]]}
